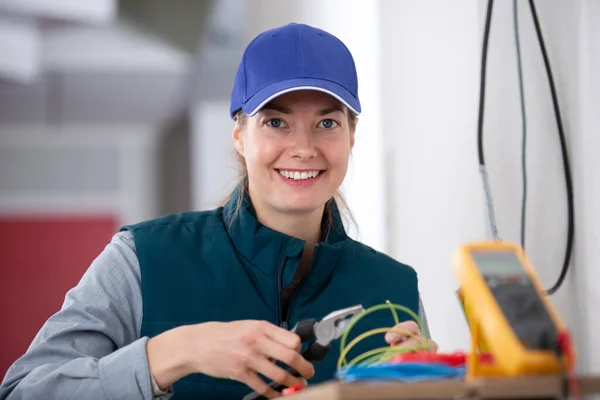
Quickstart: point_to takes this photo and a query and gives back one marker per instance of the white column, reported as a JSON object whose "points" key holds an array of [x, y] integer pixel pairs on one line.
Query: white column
{"points": [[213, 166], [586, 176], [430, 72]]}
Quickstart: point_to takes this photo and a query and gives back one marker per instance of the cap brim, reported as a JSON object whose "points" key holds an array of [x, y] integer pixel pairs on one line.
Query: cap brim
{"points": [[265, 95]]}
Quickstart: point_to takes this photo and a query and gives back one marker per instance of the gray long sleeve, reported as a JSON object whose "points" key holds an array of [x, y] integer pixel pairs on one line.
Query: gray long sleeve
{"points": [[91, 348]]}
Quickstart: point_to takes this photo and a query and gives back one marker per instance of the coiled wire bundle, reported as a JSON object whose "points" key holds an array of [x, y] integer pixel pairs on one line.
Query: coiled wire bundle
{"points": [[395, 363]]}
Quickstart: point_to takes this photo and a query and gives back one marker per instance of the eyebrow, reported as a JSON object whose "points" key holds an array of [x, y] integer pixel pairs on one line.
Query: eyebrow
{"points": [[330, 110], [287, 110], [278, 108]]}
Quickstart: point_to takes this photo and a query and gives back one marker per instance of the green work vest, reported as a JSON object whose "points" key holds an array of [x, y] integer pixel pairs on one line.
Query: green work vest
{"points": [[197, 267]]}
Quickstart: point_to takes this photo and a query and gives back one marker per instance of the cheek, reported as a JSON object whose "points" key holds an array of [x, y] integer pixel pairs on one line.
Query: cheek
{"points": [[337, 156], [261, 155]]}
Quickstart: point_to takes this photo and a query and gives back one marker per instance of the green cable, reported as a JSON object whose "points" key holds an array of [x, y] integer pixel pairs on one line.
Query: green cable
{"points": [[387, 305], [391, 352], [394, 313]]}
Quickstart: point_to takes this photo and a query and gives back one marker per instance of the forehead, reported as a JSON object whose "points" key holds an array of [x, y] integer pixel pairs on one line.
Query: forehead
{"points": [[305, 99]]}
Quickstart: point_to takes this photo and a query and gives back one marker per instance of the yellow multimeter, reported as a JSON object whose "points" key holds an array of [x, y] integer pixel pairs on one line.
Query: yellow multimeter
{"points": [[508, 312]]}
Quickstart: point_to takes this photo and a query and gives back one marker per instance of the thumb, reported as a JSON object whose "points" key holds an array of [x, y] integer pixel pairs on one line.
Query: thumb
{"points": [[402, 332]]}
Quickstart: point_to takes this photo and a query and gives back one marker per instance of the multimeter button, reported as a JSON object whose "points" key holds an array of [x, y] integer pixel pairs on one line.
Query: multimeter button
{"points": [[486, 358]]}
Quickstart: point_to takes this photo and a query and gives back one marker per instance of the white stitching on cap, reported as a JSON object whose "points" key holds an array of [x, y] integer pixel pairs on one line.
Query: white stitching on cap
{"points": [[261, 105]]}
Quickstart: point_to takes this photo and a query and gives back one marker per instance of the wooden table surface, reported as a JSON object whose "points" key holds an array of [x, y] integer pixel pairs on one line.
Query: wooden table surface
{"points": [[500, 388]]}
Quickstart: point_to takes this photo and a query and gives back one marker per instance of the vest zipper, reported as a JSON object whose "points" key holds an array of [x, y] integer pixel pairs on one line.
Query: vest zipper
{"points": [[282, 324], [291, 304]]}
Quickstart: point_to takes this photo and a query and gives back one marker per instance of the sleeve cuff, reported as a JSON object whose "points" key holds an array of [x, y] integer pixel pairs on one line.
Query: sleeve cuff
{"points": [[124, 374], [158, 392]]}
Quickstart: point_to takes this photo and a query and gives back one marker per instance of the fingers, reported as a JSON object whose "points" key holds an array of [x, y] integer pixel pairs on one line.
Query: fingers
{"points": [[254, 382], [291, 357], [432, 346], [410, 342], [286, 338], [275, 373], [402, 332], [407, 334]]}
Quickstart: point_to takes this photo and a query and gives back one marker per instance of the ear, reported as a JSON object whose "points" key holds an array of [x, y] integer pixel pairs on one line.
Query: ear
{"points": [[237, 136]]}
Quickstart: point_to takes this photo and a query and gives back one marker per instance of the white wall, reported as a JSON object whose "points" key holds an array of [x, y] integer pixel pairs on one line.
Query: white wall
{"points": [[430, 98], [429, 110], [585, 145], [213, 166]]}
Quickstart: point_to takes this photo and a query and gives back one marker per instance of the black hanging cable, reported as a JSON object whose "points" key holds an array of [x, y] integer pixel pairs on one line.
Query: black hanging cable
{"points": [[486, 36], [565, 157], [523, 123], [482, 169]]}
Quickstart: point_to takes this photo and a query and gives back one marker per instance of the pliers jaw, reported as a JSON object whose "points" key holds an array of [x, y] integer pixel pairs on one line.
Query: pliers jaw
{"points": [[334, 324], [331, 327]]}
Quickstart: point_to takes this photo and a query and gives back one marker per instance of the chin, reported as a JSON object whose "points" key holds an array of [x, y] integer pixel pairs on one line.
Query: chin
{"points": [[300, 207]]}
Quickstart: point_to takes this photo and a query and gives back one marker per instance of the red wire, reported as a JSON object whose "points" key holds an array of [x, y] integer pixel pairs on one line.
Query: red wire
{"points": [[566, 347]]}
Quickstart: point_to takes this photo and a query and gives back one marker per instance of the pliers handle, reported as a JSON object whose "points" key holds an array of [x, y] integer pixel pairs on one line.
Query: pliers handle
{"points": [[314, 352], [330, 328]]}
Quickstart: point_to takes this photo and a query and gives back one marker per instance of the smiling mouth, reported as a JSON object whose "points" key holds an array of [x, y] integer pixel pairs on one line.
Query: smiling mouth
{"points": [[300, 175]]}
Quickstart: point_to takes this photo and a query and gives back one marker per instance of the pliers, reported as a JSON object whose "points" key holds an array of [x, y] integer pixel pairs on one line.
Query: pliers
{"points": [[330, 328]]}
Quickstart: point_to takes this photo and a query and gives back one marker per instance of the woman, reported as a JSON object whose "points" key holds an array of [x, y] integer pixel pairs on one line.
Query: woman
{"points": [[199, 305]]}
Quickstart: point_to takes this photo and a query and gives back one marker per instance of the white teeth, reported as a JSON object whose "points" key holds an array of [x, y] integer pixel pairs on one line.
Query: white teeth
{"points": [[296, 175]]}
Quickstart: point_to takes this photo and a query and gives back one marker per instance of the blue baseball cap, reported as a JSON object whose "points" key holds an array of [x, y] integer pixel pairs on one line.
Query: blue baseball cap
{"points": [[294, 57]]}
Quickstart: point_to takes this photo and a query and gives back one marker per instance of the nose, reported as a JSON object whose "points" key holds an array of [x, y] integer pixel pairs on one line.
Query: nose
{"points": [[304, 145]]}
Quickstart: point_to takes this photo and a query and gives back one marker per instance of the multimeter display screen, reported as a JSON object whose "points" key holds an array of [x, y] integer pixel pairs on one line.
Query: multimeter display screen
{"points": [[517, 297], [498, 263]]}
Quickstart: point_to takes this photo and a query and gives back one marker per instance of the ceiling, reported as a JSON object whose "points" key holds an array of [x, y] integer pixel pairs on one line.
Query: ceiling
{"points": [[103, 61]]}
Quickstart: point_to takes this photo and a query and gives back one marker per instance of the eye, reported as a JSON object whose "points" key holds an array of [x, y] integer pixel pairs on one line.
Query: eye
{"points": [[275, 123], [328, 124]]}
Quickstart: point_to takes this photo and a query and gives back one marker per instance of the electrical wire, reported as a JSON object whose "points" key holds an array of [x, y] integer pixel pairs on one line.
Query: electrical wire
{"points": [[378, 364], [523, 124], [382, 353], [565, 156], [480, 152], [567, 358]]}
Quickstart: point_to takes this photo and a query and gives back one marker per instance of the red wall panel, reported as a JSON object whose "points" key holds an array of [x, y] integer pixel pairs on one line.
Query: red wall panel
{"points": [[42, 257]]}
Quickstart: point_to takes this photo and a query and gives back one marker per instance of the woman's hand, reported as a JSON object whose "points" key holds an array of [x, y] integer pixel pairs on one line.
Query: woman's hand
{"points": [[407, 334], [237, 350]]}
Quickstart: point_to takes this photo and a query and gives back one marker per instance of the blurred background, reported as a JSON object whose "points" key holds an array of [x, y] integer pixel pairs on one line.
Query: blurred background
{"points": [[112, 112]]}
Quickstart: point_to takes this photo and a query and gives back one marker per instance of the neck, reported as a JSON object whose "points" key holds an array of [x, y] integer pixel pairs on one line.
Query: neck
{"points": [[305, 226]]}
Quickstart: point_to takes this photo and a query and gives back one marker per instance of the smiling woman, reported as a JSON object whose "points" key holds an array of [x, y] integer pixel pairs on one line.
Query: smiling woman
{"points": [[199, 304]]}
